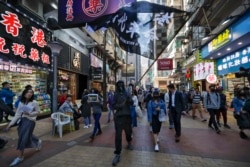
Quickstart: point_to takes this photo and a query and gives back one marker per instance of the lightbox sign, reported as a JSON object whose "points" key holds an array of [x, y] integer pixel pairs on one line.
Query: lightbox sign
{"points": [[202, 70], [220, 40], [23, 41], [74, 12], [232, 62]]}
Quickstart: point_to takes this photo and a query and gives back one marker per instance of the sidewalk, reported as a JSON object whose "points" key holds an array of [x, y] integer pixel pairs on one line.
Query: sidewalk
{"points": [[199, 147]]}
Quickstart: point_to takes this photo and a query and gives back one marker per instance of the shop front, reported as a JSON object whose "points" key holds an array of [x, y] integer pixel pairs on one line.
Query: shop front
{"points": [[73, 67], [24, 55], [231, 49]]}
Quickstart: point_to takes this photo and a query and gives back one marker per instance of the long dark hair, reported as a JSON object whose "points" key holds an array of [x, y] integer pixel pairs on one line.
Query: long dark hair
{"points": [[23, 98]]}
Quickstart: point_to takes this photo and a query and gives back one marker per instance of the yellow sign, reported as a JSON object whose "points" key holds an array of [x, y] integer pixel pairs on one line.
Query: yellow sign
{"points": [[230, 76], [220, 40]]}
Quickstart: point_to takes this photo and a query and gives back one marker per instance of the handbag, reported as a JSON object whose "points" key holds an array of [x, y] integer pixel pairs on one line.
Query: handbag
{"points": [[243, 120], [162, 116], [138, 112]]}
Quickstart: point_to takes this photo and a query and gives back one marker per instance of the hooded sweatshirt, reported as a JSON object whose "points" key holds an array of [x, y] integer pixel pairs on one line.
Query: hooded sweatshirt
{"points": [[211, 100]]}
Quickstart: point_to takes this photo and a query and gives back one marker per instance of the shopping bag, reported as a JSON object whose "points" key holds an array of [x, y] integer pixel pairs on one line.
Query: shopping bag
{"points": [[138, 112], [162, 116]]}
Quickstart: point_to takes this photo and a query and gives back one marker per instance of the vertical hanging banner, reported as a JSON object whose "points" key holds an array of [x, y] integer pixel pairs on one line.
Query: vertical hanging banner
{"points": [[164, 64]]}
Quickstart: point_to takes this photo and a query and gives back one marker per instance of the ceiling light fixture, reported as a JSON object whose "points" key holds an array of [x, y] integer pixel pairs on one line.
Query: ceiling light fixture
{"points": [[219, 54], [228, 49], [53, 4], [240, 43]]}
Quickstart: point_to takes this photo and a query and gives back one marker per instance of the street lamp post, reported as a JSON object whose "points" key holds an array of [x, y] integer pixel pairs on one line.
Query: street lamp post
{"points": [[55, 48]]}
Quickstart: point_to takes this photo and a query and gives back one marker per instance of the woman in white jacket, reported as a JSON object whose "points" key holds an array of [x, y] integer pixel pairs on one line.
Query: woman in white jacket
{"points": [[26, 114]]}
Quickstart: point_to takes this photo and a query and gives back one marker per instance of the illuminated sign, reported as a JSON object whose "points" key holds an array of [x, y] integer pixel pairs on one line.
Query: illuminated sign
{"points": [[201, 70], [23, 41], [232, 62], [211, 78], [220, 40], [13, 67]]}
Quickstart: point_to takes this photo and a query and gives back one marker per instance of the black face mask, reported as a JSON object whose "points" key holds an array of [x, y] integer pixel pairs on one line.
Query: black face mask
{"points": [[212, 90], [242, 94], [120, 87]]}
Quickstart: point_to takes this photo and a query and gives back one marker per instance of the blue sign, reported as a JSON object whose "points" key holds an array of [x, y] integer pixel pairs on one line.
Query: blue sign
{"points": [[232, 62], [238, 29]]}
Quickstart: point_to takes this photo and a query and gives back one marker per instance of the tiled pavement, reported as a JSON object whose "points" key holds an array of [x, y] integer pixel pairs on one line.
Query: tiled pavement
{"points": [[199, 147]]}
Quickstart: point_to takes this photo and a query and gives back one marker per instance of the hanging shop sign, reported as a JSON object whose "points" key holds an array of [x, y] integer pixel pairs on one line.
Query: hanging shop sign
{"points": [[76, 60], [220, 40], [23, 41], [211, 78], [232, 62], [201, 70], [165, 64], [128, 70], [189, 61], [13, 67]]}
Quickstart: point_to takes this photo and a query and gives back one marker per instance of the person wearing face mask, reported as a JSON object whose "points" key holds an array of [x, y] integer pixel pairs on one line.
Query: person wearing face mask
{"points": [[238, 105], [212, 104], [122, 119]]}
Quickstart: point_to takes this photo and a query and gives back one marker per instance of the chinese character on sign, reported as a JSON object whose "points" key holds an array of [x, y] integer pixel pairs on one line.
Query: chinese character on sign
{"points": [[224, 60], [45, 58], [244, 60], [237, 62], [244, 52], [38, 37], [225, 66], [2, 44], [95, 6], [230, 64], [228, 58], [34, 55], [237, 54], [69, 10], [220, 67], [18, 50], [11, 23], [232, 56]]}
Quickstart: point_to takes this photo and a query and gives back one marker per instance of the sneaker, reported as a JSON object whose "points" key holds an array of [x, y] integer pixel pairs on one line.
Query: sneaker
{"points": [[98, 133], [129, 146], [16, 161], [90, 125], [177, 139], [86, 127], [92, 137], [193, 116], [4, 143], [171, 126], [243, 135], [116, 160], [227, 126], [210, 126], [156, 148], [203, 120], [39, 145], [218, 131]]}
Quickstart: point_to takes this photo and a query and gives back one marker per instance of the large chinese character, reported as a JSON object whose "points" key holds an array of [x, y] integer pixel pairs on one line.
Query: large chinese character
{"points": [[45, 58], [225, 66], [121, 22], [34, 55], [38, 37], [95, 6], [237, 62], [220, 67], [18, 50], [244, 60], [2, 44], [11, 23], [230, 64]]}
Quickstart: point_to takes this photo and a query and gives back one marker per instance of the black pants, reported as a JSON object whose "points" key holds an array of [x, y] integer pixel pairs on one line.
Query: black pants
{"points": [[212, 113], [7, 109], [122, 123], [176, 116]]}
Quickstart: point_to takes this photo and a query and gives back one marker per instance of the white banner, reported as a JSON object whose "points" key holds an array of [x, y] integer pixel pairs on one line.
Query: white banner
{"points": [[201, 70]]}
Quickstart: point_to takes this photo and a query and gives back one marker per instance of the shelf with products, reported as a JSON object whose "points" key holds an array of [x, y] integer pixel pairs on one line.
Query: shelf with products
{"points": [[44, 101]]}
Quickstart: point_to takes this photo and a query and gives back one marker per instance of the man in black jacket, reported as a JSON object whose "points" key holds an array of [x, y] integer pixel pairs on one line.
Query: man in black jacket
{"points": [[176, 107], [123, 120]]}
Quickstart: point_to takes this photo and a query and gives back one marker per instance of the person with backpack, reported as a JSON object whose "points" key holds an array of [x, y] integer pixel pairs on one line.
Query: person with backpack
{"points": [[211, 105], [223, 108], [240, 111], [196, 104]]}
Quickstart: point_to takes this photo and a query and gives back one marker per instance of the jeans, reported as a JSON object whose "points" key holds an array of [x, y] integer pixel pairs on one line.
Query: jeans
{"points": [[110, 111], [122, 123], [212, 113], [170, 118], [87, 121], [97, 125], [177, 121], [133, 116], [222, 111]]}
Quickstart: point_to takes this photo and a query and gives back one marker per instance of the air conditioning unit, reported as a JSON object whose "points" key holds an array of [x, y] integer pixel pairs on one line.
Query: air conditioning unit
{"points": [[35, 7]]}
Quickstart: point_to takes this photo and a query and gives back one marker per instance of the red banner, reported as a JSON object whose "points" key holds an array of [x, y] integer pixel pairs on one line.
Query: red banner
{"points": [[165, 64]]}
